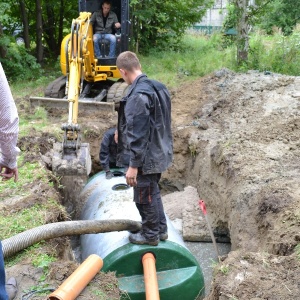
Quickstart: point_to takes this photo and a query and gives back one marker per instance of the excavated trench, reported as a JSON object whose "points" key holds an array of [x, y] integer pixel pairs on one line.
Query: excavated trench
{"points": [[237, 144]]}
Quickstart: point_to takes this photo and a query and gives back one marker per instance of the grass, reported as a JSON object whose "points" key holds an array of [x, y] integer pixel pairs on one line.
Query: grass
{"points": [[28, 172], [27, 218], [43, 261], [224, 269], [198, 56]]}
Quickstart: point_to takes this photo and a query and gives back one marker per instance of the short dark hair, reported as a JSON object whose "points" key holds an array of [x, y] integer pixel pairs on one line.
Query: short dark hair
{"points": [[106, 2], [128, 61]]}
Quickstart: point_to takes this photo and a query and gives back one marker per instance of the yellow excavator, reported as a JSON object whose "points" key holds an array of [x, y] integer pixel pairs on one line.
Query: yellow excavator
{"points": [[86, 81]]}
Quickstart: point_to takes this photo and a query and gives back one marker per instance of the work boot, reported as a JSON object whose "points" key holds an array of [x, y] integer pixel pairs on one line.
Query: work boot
{"points": [[140, 239], [11, 288], [163, 236]]}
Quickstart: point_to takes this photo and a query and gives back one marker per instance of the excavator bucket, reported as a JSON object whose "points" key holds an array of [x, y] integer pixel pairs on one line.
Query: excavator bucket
{"points": [[73, 169], [71, 163]]}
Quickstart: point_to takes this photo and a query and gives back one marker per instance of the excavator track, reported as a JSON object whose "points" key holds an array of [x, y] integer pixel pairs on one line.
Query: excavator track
{"points": [[57, 88], [117, 91]]}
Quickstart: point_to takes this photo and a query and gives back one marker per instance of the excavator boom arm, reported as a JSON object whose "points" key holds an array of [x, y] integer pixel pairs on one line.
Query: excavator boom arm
{"points": [[80, 57]]}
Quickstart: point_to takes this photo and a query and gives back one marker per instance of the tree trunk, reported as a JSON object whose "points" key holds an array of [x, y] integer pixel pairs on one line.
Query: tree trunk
{"points": [[3, 50], [49, 30], [39, 32], [61, 24], [242, 31], [24, 18]]}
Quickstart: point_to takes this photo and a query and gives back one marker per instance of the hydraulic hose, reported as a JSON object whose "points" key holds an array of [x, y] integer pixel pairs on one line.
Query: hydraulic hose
{"points": [[29, 237]]}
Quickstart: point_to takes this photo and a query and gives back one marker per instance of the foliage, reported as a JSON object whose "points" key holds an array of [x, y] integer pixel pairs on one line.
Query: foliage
{"points": [[280, 54], [230, 20], [253, 12], [283, 14], [56, 16], [161, 24], [43, 261], [229, 23], [18, 63]]}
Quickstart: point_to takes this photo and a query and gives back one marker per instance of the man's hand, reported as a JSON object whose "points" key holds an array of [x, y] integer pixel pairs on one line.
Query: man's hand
{"points": [[118, 25], [109, 175], [8, 173], [116, 136], [131, 176]]}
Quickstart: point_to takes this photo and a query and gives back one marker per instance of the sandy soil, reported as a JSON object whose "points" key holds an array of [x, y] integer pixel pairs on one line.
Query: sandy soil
{"points": [[236, 140]]}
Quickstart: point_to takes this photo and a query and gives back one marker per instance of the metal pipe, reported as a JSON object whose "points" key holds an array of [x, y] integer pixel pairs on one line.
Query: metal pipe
{"points": [[78, 280], [150, 277]]}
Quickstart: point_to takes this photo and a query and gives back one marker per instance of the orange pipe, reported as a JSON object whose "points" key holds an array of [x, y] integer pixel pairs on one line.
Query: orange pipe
{"points": [[78, 280], [151, 284]]}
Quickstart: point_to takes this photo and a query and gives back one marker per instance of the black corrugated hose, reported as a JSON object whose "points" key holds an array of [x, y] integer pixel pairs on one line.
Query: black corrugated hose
{"points": [[29, 237]]}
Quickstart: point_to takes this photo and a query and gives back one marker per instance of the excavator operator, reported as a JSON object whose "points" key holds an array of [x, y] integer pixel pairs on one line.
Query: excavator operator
{"points": [[104, 23]]}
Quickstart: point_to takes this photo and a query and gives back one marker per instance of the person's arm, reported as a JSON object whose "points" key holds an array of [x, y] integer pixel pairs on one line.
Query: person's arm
{"points": [[116, 23], [137, 113], [93, 19], [9, 128]]}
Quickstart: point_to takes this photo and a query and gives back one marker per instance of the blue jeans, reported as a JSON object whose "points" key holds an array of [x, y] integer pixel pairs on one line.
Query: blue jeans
{"points": [[107, 36], [3, 295]]}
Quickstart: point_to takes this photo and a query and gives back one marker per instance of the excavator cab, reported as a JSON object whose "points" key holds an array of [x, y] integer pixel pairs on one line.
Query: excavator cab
{"points": [[121, 9]]}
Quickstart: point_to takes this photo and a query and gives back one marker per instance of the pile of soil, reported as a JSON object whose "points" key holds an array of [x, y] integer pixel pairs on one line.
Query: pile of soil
{"points": [[236, 140]]}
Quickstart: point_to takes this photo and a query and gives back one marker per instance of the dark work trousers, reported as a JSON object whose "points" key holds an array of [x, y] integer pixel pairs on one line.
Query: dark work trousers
{"points": [[148, 201], [3, 295]]}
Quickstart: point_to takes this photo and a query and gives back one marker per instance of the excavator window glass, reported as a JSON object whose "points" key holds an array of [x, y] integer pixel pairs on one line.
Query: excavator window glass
{"points": [[94, 5], [121, 9]]}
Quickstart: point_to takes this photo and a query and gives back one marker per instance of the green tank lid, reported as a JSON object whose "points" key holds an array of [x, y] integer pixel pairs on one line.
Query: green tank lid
{"points": [[178, 273]]}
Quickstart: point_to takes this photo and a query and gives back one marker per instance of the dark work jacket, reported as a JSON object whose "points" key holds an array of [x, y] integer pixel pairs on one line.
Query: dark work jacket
{"points": [[98, 24], [144, 127], [108, 149]]}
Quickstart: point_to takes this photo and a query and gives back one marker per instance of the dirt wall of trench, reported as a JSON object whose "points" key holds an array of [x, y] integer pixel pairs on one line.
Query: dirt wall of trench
{"points": [[239, 145]]}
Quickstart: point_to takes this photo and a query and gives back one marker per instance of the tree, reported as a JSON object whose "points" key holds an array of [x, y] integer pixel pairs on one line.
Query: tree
{"points": [[242, 16], [39, 31], [284, 14], [24, 18], [42, 21], [3, 49], [161, 24], [242, 31]]}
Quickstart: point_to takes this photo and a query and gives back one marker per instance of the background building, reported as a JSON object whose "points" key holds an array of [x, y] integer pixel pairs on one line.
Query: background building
{"points": [[214, 16]]}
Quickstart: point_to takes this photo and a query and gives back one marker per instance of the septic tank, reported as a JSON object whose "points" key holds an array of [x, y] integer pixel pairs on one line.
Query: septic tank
{"points": [[178, 272]]}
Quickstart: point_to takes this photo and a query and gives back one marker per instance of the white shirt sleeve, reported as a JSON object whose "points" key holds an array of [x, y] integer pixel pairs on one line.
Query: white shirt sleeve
{"points": [[9, 125]]}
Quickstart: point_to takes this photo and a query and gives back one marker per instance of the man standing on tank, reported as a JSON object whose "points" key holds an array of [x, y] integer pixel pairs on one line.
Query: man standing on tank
{"points": [[104, 22], [144, 133]]}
